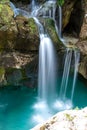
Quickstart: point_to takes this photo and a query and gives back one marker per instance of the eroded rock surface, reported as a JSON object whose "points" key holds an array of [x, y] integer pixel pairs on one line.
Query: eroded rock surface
{"points": [[66, 120]]}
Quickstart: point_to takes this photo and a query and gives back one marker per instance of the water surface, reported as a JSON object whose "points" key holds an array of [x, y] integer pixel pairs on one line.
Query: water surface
{"points": [[21, 110]]}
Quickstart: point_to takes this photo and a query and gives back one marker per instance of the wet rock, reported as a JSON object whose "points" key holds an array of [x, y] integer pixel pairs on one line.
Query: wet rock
{"points": [[49, 27]]}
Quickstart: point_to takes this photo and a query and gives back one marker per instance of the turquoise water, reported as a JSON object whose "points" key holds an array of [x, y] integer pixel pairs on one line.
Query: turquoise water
{"points": [[20, 109]]}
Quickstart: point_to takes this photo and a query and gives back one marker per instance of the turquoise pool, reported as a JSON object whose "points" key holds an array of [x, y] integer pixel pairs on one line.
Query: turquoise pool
{"points": [[20, 109]]}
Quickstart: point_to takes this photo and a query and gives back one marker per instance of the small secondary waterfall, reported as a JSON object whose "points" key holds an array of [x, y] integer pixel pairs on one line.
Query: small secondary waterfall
{"points": [[76, 57], [66, 71], [33, 4], [60, 22], [18, 11]]}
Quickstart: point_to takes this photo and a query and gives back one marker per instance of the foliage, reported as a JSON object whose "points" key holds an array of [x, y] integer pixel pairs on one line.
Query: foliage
{"points": [[60, 2]]}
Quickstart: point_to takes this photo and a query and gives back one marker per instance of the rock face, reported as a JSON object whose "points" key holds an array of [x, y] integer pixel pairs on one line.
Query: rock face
{"points": [[72, 20], [19, 44], [19, 38], [66, 120], [82, 44], [18, 33], [67, 10]]}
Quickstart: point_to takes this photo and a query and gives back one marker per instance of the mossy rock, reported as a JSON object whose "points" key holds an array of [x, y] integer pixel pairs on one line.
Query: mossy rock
{"points": [[28, 35], [4, 1], [17, 33], [2, 76], [49, 26], [7, 27], [2, 71]]}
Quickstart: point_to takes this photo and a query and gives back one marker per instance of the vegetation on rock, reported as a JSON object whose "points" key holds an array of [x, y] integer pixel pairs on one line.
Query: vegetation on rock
{"points": [[60, 2]]}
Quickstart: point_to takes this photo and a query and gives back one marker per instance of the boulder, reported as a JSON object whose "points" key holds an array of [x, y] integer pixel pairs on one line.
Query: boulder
{"points": [[28, 37], [19, 33], [66, 120]]}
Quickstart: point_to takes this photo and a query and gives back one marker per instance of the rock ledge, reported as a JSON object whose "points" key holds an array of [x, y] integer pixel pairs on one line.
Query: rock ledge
{"points": [[66, 120]]}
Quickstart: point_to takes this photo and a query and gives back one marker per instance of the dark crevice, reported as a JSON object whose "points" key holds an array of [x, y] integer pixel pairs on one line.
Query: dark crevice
{"points": [[22, 1], [76, 20]]}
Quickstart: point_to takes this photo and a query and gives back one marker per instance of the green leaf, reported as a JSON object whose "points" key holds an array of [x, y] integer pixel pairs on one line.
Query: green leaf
{"points": [[60, 2]]}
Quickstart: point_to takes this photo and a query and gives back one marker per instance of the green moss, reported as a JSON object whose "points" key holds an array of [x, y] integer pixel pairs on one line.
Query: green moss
{"points": [[5, 14], [50, 26], [10, 70], [60, 2], [32, 26], [4, 1], [24, 76], [2, 71], [76, 108], [69, 117]]}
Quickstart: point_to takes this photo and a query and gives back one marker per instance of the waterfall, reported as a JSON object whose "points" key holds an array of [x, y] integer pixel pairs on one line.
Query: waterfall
{"points": [[66, 71], [18, 11], [60, 22], [33, 4], [77, 57], [47, 62], [46, 75]]}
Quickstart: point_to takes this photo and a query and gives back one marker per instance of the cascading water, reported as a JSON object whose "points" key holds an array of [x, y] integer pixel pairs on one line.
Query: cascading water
{"points": [[60, 22], [47, 61], [18, 11], [66, 71], [76, 57], [33, 4], [65, 78], [46, 75], [46, 80]]}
